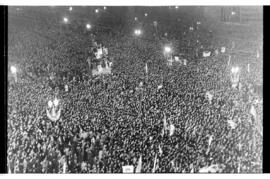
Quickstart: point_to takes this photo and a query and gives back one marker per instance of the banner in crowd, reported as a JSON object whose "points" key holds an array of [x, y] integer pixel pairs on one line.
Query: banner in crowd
{"points": [[210, 169], [185, 62], [223, 49], [209, 96], [53, 110], [232, 124], [206, 54], [128, 169]]}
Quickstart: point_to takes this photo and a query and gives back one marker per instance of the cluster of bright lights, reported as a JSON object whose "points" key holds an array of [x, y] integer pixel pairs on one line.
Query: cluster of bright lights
{"points": [[65, 19], [96, 10], [13, 69], [233, 13], [198, 22], [191, 28], [55, 102], [235, 69], [70, 8], [138, 32], [88, 26], [167, 49]]}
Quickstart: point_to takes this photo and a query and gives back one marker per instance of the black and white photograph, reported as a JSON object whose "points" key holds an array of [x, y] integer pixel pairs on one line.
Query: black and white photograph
{"points": [[134, 89]]}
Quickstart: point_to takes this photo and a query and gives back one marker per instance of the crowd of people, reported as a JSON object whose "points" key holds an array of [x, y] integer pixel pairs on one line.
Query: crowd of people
{"points": [[112, 121]]}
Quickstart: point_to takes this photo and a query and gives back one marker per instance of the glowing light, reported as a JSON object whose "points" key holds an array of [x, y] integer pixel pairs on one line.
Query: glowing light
{"points": [[166, 34], [70, 8], [176, 7], [233, 13], [198, 22], [191, 28], [167, 49], [13, 69], [65, 19], [235, 69], [136, 18], [56, 102], [50, 103], [145, 14], [155, 23], [96, 10], [138, 32], [104, 7], [88, 26]]}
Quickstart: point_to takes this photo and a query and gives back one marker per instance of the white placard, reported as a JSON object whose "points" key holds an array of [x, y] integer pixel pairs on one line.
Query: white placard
{"points": [[128, 169]]}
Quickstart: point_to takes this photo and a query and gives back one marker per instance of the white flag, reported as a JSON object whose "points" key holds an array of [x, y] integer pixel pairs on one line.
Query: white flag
{"points": [[160, 150], [232, 124], [253, 112], [164, 122], [206, 54], [223, 49], [139, 167], [65, 167], [155, 161], [146, 68], [185, 62], [66, 88], [160, 86], [172, 128], [229, 60], [209, 96], [210, 140]]}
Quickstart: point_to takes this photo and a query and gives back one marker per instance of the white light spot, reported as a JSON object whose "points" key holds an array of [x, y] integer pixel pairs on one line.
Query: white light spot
{"points": [[167, 49], [233, 13], [70, 8], [176, 7], [145, 14], [13, 69], [96, 10], [104, 7], [136, 18], [56, 102], [88, 26], [50, 103], [65, 19]]}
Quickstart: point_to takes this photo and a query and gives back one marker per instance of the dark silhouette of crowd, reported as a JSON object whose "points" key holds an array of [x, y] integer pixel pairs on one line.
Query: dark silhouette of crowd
{"points": [[110, 121]]}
